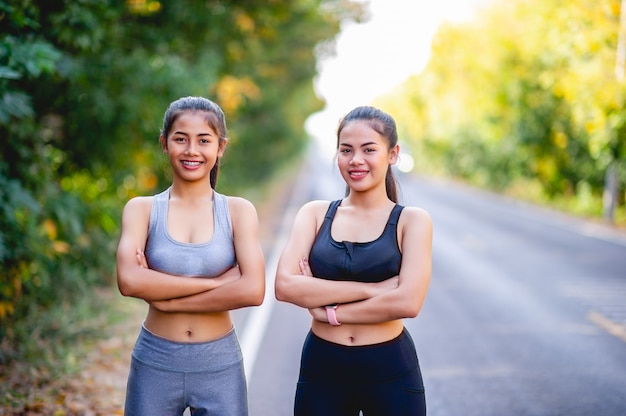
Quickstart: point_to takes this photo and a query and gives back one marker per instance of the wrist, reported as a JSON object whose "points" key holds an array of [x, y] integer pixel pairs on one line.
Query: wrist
{"points": [[331, 315]]}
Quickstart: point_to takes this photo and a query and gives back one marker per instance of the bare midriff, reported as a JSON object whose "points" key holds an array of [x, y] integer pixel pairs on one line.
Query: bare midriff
{"points": [[188, 327], [358, 334]]}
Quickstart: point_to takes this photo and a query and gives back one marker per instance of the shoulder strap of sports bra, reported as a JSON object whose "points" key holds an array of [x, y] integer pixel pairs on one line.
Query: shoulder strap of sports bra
{"points": [[222, 218], [332, 209], [395, 214], [159, 209]]}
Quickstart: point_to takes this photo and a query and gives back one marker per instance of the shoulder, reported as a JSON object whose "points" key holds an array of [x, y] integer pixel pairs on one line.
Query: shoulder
{"points": [[240, 206], [311, 215], [238, 202], [313, 211], [315, 208], [416, 213], [136, 214], [139, 204], [415, 217]]}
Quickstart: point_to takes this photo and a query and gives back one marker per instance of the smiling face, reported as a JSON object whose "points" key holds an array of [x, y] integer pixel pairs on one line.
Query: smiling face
{"points": [[193, 146], [364, 156]]}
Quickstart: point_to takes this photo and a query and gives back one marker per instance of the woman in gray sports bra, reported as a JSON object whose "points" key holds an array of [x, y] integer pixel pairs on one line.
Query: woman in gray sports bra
{"points": [[344, 262], [193, 255]]}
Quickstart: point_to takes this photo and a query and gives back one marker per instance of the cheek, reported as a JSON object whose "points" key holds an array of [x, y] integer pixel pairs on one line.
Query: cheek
{"points": [[342, 160]]}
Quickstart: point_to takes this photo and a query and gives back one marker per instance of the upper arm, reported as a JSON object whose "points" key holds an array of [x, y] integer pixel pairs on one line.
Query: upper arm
{"points": [[301, 237], [416, 246], [134, 234], [245, 224]]}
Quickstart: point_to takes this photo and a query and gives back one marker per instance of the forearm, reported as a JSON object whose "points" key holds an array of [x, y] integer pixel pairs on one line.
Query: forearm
{"points": [[236, 294], [385, 307], [152, 285], [310, 292]]}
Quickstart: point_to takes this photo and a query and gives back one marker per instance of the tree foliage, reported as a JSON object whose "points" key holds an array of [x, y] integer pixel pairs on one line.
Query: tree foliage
{"points": [[524, 98], [83, 87]]}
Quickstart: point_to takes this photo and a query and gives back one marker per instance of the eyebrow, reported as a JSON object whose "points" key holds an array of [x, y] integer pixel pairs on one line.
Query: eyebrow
{"points": [[186, 134], [363, 145]]}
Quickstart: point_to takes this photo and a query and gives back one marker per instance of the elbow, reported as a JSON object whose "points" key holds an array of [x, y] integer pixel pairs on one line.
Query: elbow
{"points": [[257, 298], [280, 290], [408, 309], [125, 289], [256, 295], [288, 290], [408, 304], [278, 294], [412, 312], [125, 286]]}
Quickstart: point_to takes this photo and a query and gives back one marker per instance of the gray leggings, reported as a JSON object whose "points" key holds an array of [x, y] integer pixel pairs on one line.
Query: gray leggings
{"points": [[167, 377]]}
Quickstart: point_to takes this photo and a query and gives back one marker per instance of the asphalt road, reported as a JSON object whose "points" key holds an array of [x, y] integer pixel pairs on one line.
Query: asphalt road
{"points": [[526, 313]]}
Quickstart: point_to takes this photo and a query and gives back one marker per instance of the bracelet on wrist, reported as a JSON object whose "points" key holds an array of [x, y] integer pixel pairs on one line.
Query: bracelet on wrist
{"points": [[331, 314]]}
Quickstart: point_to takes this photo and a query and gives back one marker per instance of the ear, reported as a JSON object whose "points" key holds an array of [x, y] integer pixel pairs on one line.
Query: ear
{"points": [[221, 147], [163, 142], [393, 154]]}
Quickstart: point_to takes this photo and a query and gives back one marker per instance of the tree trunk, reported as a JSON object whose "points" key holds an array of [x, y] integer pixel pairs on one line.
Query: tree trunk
{"points": [[611, 188]]}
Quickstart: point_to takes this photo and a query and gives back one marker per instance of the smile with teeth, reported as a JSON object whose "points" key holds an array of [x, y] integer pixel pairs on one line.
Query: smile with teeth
{"points": [[358, 173], [191, 163]]}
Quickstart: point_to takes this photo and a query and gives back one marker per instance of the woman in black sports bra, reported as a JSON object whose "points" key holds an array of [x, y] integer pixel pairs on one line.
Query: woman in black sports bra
{"points": [[359, 265]]}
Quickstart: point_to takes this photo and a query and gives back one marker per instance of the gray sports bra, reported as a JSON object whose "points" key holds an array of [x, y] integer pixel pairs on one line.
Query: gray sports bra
{"points": [[209, 259]]}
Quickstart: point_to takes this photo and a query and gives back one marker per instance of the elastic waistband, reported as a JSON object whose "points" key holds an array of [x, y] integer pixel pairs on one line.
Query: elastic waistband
{"points": [[323, 359], [383, 344], [170, 355]]}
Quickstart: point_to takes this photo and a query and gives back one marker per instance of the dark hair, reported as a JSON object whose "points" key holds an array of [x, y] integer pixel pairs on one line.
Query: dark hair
{"points": [[214, 116], [383, 124]]}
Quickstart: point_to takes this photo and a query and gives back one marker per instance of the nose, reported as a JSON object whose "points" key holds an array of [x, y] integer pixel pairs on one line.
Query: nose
{"points": [[356, 158], [191, 148]]}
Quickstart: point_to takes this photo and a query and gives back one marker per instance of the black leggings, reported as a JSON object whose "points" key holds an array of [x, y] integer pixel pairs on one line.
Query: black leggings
{"points": [[381, 379]]}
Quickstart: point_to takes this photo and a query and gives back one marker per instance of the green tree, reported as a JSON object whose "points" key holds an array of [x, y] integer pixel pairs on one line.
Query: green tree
{"points": [[538, 112], [83, 86]]}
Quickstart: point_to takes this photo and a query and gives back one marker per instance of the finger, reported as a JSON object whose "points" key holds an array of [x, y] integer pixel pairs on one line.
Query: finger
{"points": [[305, 268]]}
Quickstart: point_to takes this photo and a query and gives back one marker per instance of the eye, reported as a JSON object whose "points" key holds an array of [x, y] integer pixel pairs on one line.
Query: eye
{"points": [[345, 150], [179, 139]]}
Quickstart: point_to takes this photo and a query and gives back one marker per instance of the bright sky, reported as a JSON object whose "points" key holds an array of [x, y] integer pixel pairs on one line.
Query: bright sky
{"points": [[374, 57]]}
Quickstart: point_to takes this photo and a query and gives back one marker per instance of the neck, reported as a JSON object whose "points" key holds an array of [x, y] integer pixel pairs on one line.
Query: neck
{"points": [[373, 199], [191, 190]]}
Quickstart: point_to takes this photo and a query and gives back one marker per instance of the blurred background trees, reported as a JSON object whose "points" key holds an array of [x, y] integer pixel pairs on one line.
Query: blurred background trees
{"points": [[524, 99], [83, 88]]}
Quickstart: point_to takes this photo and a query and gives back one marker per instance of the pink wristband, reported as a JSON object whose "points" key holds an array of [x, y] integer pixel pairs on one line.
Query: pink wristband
{"points": [[332, 315]]}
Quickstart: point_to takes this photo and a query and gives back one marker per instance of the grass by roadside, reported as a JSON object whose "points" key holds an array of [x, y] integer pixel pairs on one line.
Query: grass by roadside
{"points": [[88, 382], [95, 385]]}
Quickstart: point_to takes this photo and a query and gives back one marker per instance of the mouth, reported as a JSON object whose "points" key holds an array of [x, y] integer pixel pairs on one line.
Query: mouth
{"points": [[191, 163], [357, 173]]}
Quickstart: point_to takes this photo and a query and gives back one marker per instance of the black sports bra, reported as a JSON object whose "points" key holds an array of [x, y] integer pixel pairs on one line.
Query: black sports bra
{"points": [[369, 262]]}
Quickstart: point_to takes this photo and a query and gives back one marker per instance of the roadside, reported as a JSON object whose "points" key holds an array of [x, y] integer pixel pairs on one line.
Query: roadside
{"points": [[99, 388]]}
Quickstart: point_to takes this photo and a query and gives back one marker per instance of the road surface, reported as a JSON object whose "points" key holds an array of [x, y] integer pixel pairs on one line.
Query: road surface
{"points": [[525, 315]]}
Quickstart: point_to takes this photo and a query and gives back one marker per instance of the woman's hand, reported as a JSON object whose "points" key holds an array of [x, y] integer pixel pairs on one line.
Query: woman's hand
{"points": [[160, 305], [141, 259], [305, 269], [319, 314], [386, 285]]}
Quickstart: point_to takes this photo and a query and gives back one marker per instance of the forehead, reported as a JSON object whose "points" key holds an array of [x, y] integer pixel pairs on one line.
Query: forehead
{"points": [[192, 117], [359, 131], [193, 120]]}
